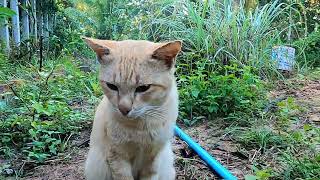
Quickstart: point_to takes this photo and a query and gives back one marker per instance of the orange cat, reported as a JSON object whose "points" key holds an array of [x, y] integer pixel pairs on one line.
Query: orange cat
{"points": [[133, 125]]}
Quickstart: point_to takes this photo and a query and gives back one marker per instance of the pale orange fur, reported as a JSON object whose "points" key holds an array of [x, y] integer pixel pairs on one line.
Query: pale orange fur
{"points": [[136, 145]]}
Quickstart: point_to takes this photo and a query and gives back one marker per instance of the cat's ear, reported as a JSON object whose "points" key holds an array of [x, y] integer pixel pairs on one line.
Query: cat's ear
{"points": [[101, 47], [167, 52]]}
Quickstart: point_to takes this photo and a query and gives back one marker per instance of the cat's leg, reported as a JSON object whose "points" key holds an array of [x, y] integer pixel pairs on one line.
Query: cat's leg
{"points": [[120, 168], [96, 167], [150, 171], [151, 165], [166, 169], [160, 167]]}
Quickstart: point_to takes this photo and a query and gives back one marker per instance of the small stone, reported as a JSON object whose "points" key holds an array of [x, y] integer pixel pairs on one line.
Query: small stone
{"points": [[8, 171], [85, 68], [315, 118]]}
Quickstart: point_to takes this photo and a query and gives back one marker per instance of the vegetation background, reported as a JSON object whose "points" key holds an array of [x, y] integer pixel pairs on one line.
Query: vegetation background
{"points": [[230, 88]]}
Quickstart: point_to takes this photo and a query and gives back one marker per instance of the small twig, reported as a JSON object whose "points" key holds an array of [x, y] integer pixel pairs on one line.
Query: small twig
{"points": [[47, 79], [16, 94], [66, 142], [46, 85], [21, 169], [190, 159], [273, 103], [41, 53], [84, 143], [254, 155]]}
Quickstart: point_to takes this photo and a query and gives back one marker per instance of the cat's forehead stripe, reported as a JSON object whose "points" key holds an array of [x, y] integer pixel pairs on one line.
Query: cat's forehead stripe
{"points": [[126, 70]]}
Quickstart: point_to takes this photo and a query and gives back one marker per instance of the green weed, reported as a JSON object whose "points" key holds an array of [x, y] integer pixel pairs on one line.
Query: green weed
{"points": [[263, 174], [212, 94], [224, 32], [45, 115], [303, 167], [262, 139], [308, 49], [287, 111]]}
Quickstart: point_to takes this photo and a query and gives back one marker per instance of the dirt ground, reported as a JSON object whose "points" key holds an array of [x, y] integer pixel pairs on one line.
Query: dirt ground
{"points": [[307, 95], [188, 165]]}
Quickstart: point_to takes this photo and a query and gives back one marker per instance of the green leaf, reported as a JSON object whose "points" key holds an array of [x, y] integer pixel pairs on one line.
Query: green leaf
{"points": [[244, 101], [213, 109], [5, 139], [317, 158], [38, 107], [38, 144], [44, 74], [250, 177], [34, 124], [53, 149], [32, 133], [264, 174], [290, 100], [307, 127], [6, 12], [195, 93]]}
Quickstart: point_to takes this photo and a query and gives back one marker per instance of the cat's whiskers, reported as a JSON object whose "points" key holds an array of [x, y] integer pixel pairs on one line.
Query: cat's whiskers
{"points": [[114, 109], [156, 112]]}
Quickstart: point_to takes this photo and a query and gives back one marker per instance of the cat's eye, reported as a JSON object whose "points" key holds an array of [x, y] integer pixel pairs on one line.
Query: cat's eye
{"points": [[112, 86], [142, 89]]}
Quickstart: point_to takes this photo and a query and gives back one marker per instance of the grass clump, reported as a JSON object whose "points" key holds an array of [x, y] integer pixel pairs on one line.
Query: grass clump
{"points": [[46, 110], [219, 94], [224, 32], [304, 167]]}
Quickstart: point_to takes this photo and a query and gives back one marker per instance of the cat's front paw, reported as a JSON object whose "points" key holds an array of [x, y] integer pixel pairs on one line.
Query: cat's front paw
{"points": [[123, 178], [150, 177]]}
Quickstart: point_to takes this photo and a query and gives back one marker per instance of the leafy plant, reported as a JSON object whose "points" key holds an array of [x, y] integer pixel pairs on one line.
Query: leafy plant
{"points": [[308, 49], [44, 117], [210, 94], [303, 167], [287, 111], [263, 174], [262, 138], [223, 32], [6, 12]]}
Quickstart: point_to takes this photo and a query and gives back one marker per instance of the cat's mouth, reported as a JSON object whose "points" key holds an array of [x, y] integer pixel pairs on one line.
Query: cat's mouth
{"points": [[130, 116], [142, 113]]}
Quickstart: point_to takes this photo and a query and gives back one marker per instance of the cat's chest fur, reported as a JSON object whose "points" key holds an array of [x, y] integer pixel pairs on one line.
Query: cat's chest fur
{"points": [[138, 146], [151, 133]]}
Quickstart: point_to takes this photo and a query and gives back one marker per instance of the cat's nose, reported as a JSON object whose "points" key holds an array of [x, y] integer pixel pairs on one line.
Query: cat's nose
{"points": [[124, 109]]}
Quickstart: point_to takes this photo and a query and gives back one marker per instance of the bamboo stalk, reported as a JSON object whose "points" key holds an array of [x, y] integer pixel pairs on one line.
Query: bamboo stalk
{"points": [[15, 22], [4, 30], [25, 21]]}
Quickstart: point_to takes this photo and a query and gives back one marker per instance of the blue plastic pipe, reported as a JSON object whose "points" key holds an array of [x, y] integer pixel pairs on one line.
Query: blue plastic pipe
{"points": [[204, 155]]}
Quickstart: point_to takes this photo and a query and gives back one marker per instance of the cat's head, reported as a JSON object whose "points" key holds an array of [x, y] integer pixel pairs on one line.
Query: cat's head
{"points": [[136, 76]]}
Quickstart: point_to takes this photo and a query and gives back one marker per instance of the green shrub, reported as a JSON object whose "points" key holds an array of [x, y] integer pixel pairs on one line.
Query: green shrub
{"points": [[308, 49], [45, 113], [304, 167], [262, 138], [223, 33], [71, 24], [211, 94]]}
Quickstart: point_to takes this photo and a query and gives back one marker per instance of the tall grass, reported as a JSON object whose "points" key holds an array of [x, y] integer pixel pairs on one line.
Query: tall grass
{"points": [[224, 32]]}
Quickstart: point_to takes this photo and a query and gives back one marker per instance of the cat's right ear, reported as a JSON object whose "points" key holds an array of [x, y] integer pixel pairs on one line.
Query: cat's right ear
{"points": [[101, 47]]}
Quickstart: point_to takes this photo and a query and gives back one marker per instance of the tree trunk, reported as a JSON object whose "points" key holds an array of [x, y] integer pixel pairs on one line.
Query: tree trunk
{"points": [[4, 30], [34, 27], [25, 21], [15, 22], [51, 19], [46, 26], [40, 24]]}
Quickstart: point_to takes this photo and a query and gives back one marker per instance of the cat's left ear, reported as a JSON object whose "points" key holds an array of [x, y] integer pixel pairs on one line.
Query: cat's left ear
{"points": [[102, 47], [167, 52]]}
